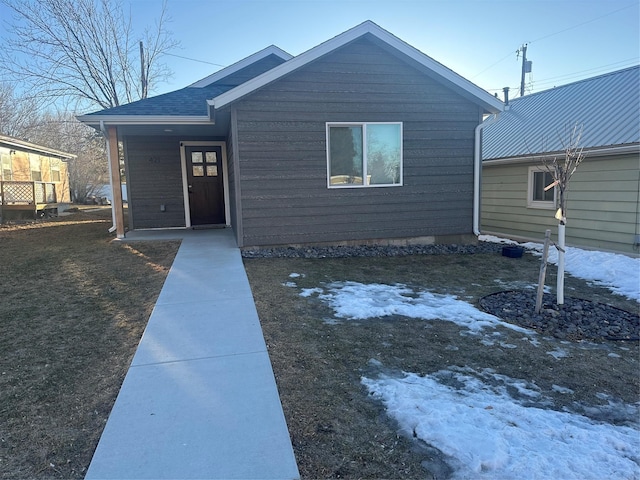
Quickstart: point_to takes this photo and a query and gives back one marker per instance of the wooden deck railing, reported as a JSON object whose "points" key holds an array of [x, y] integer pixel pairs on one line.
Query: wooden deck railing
{"points": [[27, 197]]}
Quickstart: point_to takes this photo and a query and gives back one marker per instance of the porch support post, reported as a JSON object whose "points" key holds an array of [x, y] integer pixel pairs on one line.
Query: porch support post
{"points": [[116, 184]]}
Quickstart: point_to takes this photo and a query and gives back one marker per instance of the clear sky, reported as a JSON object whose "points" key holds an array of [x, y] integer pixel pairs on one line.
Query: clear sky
{"points": [[567, 39]]}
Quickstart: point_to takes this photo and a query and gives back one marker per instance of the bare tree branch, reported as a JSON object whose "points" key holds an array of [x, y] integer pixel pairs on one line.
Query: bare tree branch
{"points": [[85, 50]]}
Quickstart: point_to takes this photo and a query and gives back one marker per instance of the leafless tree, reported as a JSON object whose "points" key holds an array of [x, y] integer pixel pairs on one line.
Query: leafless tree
{"points": [[17, 113], [88, 171], [85, 50], [562, 167]]}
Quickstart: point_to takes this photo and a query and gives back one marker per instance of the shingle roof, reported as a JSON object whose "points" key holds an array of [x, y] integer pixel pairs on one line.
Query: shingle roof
{"points": [[608, 106], [189, 101], [192, 100]]}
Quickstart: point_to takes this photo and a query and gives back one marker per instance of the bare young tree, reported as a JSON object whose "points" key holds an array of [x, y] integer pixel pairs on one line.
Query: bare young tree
{"points": [[562, 169], [84, 50]]}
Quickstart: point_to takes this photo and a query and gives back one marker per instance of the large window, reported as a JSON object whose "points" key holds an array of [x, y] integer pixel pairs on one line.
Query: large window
{"points": [[364, 154], [539, 194]]}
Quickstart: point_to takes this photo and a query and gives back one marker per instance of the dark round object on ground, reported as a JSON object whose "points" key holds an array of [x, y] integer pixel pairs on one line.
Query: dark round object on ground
{"points": [[576, 320]]}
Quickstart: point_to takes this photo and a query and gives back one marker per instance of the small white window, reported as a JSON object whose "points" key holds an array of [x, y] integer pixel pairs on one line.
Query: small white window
{"points": [[364, 155], [539, 195], [6, 172], [55, 169], [36, 167]]}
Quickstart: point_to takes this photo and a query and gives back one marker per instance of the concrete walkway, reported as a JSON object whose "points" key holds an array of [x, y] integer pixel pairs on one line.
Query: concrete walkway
{"points": [[199, 400]]}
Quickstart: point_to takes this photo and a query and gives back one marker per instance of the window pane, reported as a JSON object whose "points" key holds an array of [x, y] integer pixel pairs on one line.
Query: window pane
{"points": [[211, 157], [540, 181], [345, 155], [383, 154], [196, 157], [198, 171], [212, 170]]}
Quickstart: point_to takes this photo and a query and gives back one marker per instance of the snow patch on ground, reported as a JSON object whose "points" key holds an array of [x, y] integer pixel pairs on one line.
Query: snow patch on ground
{"points": [[618, 273], [492, 427], [359, 301]]}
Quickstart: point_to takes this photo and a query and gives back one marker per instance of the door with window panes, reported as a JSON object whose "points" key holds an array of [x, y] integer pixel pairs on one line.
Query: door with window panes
{"points": [[206, 188]]}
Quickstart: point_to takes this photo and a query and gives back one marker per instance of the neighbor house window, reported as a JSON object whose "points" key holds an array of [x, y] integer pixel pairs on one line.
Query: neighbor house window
{"points": [[364, 154], [36, 167], [6, 172], [539, 195], [55, 169]]}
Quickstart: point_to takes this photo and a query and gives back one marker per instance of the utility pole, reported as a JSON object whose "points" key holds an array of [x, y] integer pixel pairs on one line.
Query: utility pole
{"points": [[526, 67], [143, 79]]}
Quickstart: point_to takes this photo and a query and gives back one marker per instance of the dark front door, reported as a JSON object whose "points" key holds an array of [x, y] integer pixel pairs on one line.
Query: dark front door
{"points": [[206, 188]]}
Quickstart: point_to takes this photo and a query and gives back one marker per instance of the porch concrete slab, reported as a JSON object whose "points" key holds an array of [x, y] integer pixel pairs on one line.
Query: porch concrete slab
{"points": [[199, 400]]}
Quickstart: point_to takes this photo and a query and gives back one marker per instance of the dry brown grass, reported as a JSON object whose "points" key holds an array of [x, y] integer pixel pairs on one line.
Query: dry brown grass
{"points": [[73, 305], [337, 430]]}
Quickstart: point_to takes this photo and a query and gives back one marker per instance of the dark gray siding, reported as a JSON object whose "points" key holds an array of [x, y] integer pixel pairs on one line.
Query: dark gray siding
{"points": [[233, 188], [282, 153], [154, 178]]}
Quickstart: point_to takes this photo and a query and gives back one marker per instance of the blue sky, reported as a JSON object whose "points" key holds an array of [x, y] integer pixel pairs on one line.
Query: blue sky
{"points": [[567, 39]]}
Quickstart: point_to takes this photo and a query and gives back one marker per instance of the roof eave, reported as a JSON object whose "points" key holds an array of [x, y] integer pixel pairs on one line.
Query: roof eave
{"points": [[589, 153], [15, 142], [144, 119], [490, 103]]}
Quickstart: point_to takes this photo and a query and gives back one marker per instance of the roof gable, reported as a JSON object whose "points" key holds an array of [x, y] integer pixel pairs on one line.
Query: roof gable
{"points": [[606, 105], [191, 101], [472, 91], [242, 64]]}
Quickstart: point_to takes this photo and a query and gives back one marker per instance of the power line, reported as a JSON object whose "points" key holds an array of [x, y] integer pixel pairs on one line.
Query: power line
{"points": [[603, 69], [551, 35], [583, 23], [194, 59]]}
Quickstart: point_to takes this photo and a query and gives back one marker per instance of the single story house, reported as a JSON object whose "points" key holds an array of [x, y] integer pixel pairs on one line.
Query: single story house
{"points": [[362, 138], [34, 180], [603, 210]]}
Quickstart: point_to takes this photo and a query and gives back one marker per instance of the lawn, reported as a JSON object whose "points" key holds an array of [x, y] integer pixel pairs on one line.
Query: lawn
{"points": [[73, 307], [384, 373], [358, 346]]}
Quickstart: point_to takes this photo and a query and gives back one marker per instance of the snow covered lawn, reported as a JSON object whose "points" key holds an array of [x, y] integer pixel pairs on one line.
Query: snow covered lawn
{"points": [[488, 425]]}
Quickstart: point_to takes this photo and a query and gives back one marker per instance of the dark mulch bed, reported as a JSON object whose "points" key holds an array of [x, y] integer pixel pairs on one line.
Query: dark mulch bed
{"points": [[576, 320]]}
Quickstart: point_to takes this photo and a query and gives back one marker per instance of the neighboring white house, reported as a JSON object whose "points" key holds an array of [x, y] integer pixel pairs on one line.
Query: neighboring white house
{"points": [[603, 209]]}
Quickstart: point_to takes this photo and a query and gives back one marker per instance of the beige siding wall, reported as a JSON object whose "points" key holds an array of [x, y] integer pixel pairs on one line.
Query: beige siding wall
{"points": [[602, 206], [20, 161]]}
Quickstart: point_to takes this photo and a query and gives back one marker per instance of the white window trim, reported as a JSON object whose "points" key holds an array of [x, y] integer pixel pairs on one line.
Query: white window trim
{"points": [[54, 166], [38, 164], [531, 203], [364, 154]]}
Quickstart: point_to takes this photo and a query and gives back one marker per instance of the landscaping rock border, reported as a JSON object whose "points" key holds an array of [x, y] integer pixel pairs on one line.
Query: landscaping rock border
{"points": [[576, 320], [370, 250]]}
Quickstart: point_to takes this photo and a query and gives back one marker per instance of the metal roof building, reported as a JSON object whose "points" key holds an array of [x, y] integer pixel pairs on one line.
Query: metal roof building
{"points": [[608, 107]]}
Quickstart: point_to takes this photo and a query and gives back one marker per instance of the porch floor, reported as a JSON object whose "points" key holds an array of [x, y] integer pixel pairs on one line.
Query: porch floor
{"points": [[199, 399]]}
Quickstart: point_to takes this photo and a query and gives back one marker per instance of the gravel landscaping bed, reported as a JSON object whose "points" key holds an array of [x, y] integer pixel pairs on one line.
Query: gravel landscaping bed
{"points": [[576, 320], [370, 251]]}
